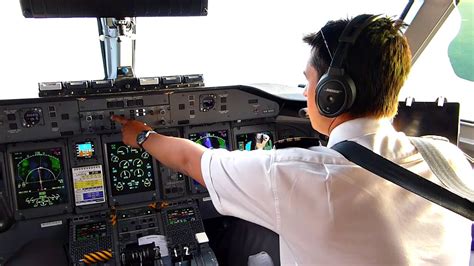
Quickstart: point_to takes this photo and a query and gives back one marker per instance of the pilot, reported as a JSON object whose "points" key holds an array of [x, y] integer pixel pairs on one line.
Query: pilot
{"points": [[325, 209]]}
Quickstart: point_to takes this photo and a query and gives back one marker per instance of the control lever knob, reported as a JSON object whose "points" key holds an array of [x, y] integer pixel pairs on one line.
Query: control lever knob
{"points": [[175, 253]]}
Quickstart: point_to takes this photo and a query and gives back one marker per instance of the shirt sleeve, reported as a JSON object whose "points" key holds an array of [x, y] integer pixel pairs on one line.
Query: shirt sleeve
{"points": [[240, 184]]}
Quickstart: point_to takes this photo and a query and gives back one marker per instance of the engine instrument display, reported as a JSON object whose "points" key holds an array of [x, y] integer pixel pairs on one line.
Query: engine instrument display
{"points": [[39, 178], [131, 169], [88, 231], [255, 141], [212, 140], [179, 216]]}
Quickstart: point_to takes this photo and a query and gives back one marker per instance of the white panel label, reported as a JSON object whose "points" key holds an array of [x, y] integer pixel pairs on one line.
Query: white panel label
{"points": [[53, 223], [88, 185]]}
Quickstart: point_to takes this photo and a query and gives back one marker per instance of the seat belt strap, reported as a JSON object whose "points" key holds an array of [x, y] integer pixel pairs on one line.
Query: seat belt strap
{"points": [[440, 167], [408, 180]]}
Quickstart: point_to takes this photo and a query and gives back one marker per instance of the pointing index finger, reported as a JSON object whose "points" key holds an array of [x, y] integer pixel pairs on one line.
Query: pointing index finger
{"points": [[119, 119]]}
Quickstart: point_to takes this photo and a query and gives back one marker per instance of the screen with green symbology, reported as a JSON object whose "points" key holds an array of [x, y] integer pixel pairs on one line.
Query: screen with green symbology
{"points": [[39, 178]]}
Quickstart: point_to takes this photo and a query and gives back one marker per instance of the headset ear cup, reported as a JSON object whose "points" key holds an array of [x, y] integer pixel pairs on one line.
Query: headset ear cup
{"points": [[334, 94], [317, 96], [351, 91]]}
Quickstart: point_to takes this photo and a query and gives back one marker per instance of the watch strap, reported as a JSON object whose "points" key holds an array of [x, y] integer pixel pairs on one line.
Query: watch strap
{"points": [[143, 136]]}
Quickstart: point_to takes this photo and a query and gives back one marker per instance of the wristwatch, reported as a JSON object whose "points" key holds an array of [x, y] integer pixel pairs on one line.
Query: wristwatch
{"points": [[143, 136]]}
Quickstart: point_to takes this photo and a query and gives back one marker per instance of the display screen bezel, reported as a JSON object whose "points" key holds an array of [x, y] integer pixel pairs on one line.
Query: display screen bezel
{"points": [[47, 210], [253, 129], [228, 142], [94, 152], [114, 200], [149, 160], [194, 187]]}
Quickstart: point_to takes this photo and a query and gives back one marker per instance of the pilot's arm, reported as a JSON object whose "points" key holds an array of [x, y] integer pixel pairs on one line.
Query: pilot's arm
{"points": [[179, 154], [240, 183]]}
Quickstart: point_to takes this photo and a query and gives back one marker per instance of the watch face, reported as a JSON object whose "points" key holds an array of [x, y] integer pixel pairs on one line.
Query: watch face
{"points": [[142, 137]]}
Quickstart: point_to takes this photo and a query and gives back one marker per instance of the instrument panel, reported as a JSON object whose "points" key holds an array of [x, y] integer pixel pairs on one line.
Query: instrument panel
{"points": [[65, 160]]}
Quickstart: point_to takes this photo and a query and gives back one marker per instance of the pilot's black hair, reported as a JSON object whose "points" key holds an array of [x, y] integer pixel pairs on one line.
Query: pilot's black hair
{"points": [[378, 62]]}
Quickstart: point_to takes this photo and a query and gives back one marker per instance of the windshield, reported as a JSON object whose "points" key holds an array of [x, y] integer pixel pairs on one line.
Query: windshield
{"points": [[445, 68], [239, 42]]}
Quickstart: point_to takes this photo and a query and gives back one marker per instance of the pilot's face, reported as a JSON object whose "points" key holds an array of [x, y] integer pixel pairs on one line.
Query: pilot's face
{"points": [[318, 122]]}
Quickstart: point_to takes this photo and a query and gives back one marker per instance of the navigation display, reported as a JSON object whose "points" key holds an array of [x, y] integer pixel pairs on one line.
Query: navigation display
{"points": [[255, 141], [212, 140], [39, 178], [131, 169], [218, 139]]}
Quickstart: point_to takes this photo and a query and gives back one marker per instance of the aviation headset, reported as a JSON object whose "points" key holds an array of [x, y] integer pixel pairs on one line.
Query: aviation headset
{"points": [[336, 91]]}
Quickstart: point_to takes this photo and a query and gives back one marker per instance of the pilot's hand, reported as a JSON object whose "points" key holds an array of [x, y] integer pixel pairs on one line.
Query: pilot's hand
{"points": [[261, 141], [130, 129]]}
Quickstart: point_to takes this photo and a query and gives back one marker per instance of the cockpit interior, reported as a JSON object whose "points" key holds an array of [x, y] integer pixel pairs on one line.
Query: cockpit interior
{"points": [[72, 193]]}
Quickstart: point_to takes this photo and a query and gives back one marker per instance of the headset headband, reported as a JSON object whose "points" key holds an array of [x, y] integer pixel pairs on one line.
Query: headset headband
{"points": [[348, 37]]}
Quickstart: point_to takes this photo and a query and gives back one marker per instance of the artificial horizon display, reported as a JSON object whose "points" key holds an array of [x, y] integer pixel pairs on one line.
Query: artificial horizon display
{"points": [[39, 178]]}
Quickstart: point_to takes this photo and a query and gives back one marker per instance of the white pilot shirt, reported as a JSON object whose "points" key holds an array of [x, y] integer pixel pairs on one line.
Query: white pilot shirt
{"points": [[329, 211]]}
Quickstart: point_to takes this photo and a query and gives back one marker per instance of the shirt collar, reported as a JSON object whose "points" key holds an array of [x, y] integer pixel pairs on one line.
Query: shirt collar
{"points": [[358, 127]]}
